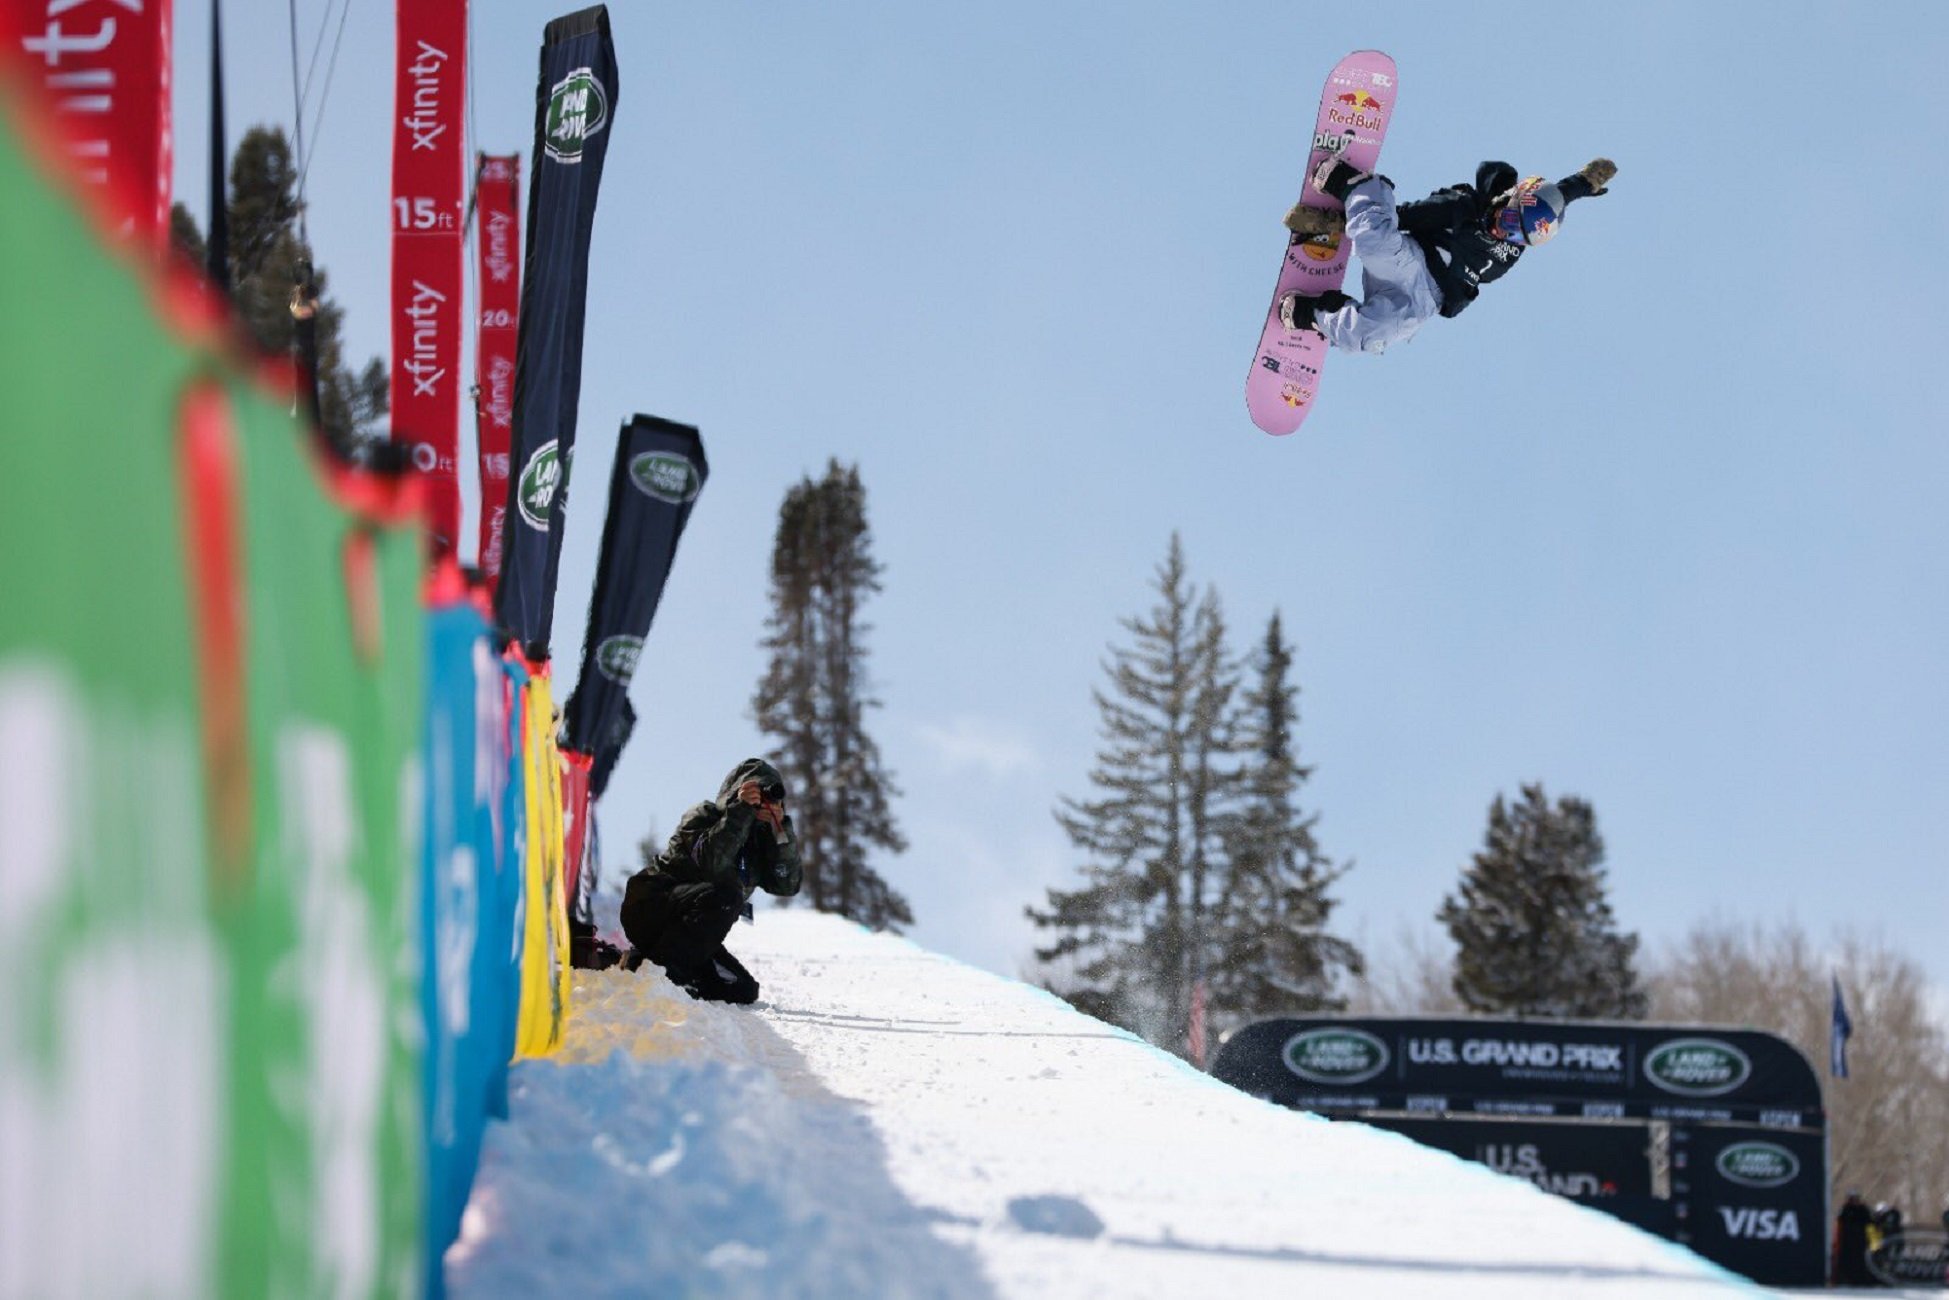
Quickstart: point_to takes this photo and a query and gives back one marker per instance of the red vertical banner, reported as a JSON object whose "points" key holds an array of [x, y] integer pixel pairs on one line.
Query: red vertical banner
{"points": [[101, 70], [575, 819], [429, 203], [1194, 1038], [497, 206]]}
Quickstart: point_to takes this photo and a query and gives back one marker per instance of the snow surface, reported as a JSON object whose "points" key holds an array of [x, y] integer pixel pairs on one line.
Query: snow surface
{"points": [[889, 1122]]}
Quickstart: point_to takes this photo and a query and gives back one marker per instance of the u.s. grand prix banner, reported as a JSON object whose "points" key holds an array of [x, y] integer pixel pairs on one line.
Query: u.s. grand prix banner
{"points": [[428, 206], [1601, 1070], [1715, 1138], [575, 99]]}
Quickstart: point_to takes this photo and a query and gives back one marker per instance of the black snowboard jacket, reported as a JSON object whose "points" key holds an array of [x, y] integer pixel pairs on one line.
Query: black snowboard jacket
{"points": [[723, 842], [1452, 227]]}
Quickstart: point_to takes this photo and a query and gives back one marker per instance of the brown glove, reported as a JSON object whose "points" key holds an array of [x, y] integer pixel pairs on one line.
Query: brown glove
{"points": [[1598, 171]]}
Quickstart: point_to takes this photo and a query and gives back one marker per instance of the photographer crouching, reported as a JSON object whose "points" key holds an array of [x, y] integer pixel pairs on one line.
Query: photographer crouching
{"points": [[678, 910]]}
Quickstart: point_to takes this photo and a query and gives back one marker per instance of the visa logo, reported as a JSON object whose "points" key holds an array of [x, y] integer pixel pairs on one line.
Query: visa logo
{"points": [[1761, 1225]]}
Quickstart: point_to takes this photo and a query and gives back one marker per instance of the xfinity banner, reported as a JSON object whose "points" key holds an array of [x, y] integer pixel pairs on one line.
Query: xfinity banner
{"points": [[101, 68], [428, 203], [497, 190], [659, 471], [1554, 1067], [574, 101]]}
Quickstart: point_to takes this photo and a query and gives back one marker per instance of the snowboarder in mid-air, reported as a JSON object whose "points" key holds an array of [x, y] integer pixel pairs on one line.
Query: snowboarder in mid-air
{"points": [[678, 909], [1425, 258]]}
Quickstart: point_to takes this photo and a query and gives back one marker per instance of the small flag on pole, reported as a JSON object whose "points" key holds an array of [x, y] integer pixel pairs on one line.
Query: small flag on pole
{"points": [[1838, 1035]]}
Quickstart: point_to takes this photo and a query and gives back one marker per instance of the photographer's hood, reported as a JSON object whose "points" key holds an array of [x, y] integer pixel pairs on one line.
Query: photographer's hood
{"points": [[752, 769]]}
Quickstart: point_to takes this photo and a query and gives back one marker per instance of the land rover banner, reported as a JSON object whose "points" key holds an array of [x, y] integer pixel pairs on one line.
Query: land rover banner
{"points": [[575, 99], [1757, 1200], [1531, 1067], [610, 748], [659, 471]]}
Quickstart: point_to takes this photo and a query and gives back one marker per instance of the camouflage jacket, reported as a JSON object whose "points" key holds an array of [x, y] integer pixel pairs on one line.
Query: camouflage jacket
{"points": [[724, 842]]}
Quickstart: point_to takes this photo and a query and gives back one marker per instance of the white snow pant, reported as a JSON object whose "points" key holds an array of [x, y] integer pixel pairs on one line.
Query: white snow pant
{"points": [[1400, 294]]}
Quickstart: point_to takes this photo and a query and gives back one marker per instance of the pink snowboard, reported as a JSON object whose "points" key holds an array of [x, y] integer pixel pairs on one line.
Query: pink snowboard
{"points": [[1353, 119]]}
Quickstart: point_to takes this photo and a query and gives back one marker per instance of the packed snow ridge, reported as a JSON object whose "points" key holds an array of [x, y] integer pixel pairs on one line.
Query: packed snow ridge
{"points": [[889, 1122]]}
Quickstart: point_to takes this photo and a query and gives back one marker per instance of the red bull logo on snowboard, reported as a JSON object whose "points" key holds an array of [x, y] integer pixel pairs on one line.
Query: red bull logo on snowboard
{"points": [[1357, 108]]}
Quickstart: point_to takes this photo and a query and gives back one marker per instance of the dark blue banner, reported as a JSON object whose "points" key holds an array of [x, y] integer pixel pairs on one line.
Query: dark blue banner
{"points": [[1711, 1137], [659, 471], [1586, 1069], [610, 748], [575, 99]]}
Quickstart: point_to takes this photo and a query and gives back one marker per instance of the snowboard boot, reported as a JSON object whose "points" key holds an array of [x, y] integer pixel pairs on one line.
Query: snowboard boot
{"points": [[1307, 221], [1297, 310], [1335, 176]]}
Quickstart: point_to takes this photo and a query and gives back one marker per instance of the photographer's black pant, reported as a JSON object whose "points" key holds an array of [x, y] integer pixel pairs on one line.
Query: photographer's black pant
{"points": [[681, 928]]}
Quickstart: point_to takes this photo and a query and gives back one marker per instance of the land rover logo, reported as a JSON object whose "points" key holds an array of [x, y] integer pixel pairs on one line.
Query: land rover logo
{"points": [[665, 476], [1335, 1056], [1697, 1067], [539, 479], [616, 657], [578, 107], [1758, 1164], [1915, 1257]]}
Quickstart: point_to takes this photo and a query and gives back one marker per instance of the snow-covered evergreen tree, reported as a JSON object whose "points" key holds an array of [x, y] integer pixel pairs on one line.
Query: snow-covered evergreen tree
{"points": [[815, 694], [1136, 934], [1531, 921], [1274, 953]]}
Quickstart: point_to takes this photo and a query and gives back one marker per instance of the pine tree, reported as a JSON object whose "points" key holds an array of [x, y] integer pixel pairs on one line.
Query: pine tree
{"points": [[1531, 921], [815, 694], [269, 259], [1275, 955], [1139, 931]]}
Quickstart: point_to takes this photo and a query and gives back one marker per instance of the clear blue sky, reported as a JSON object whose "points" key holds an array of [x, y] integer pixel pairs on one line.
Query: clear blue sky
{"points": [[1660, 522]]}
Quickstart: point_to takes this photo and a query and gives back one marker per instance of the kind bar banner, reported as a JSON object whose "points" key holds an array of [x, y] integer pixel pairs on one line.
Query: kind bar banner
{"points": [[497, 191], [574, 100], [100, 70], [659, 471], [209, 1058], [429, 197]]}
